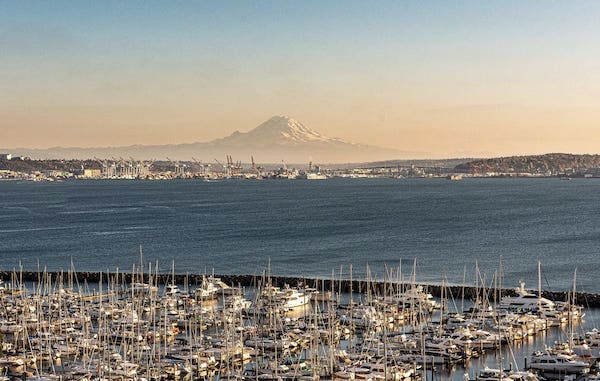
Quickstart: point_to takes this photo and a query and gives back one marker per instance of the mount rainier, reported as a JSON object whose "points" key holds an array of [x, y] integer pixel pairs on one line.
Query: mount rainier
{"points": [[279, 138]]}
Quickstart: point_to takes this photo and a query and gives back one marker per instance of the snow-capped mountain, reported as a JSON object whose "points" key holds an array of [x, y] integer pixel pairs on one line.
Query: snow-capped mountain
{"points": [[280, 130], [288, 130], [279, 138]]}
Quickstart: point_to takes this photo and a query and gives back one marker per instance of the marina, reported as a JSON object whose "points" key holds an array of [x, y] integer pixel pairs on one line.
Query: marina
{"points": [[150, 326]]}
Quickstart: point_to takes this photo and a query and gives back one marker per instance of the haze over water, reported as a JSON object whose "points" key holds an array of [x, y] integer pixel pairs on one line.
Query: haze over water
{"points": [[311, 228]]}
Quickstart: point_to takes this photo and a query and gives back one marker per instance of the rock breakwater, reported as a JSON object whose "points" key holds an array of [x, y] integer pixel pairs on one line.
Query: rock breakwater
{"points": [[375, 287]]}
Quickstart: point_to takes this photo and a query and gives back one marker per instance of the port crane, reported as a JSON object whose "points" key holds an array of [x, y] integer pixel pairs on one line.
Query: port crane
{"points": [[106, 168], [141, 168], [120, 168], [205, 169], [234, 168], [224, 167], [180, 169], [255, 169]]}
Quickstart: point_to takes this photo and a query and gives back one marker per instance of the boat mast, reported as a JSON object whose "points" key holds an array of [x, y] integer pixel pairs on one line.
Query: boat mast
{"points": [[539, 282], [570, 307]]}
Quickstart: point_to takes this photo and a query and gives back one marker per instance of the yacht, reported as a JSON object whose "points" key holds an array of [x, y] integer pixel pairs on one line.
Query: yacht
{"points": [[557, 363], [172, 290], [212, 287], [316, 176], [294, 298], [490, 374], [526, 301], [143, 289], [283, 299], [417, 296]]}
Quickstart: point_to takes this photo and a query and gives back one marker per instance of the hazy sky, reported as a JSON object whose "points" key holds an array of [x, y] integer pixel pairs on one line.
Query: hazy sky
{"points": [[444, 77]]}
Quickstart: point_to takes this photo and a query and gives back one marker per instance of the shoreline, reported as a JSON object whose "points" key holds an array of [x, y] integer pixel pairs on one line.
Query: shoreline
{"points": [[586, 299]]}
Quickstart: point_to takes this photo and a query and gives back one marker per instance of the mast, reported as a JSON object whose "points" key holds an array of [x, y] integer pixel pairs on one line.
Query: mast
{"points": [[385, 332], [539, 280], [351, 310], [464, 280], [476, 283], [570, 307]]}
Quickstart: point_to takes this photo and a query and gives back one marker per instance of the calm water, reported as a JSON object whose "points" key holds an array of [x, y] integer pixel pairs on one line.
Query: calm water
{"points": [[311, 228]]}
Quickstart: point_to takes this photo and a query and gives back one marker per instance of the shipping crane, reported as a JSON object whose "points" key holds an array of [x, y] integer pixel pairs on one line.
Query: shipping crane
{"points": [[203, 167], [233, 168], [200, 166], [255, 168], [105, 167], [140, 169], [222, 166], [180, 169]]}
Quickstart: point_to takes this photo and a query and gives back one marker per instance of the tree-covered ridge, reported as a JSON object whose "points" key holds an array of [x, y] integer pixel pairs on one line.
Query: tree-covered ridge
{"points": [[547, 164]]}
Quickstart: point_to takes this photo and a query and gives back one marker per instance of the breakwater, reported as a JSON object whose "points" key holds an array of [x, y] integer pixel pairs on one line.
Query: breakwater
{"points": [[374, 287]]}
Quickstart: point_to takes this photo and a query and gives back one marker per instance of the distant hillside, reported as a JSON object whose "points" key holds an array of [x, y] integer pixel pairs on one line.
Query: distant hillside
{"points": [[421, 163], [30, 166], [548, 164]]}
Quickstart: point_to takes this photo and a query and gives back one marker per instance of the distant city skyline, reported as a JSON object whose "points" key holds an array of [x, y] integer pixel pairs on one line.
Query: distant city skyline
{"points": [[450, 79]]}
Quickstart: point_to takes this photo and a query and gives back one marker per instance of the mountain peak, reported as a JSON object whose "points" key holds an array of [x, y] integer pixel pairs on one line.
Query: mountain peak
{"points": [[284, 128]]}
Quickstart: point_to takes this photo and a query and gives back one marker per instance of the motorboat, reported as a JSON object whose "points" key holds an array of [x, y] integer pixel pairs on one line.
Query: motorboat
{"points": [[526, 301], [557, 363]]}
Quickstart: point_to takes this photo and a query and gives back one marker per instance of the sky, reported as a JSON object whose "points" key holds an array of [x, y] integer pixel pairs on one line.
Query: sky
{"points": [[447, 78]]}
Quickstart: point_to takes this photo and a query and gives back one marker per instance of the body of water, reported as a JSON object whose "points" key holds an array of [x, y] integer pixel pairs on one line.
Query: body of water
{"points": [[311, 228]]}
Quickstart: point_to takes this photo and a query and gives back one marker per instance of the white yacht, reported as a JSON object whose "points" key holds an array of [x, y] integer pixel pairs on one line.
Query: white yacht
{"points": [[417, 296], [222, 287], [316, 176], [557, 363], [294, 298], [526, 301], [138, 288], [212, 287], [206, 291], [490, 374], [283, 299], [172, 290]]}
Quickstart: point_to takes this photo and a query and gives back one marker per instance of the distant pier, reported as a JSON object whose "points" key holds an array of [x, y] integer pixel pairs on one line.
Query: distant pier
{"points": [[376, 287]]}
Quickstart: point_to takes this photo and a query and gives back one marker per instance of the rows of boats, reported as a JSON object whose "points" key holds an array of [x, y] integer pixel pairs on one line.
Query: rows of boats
{"points": [[54, 329]]}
